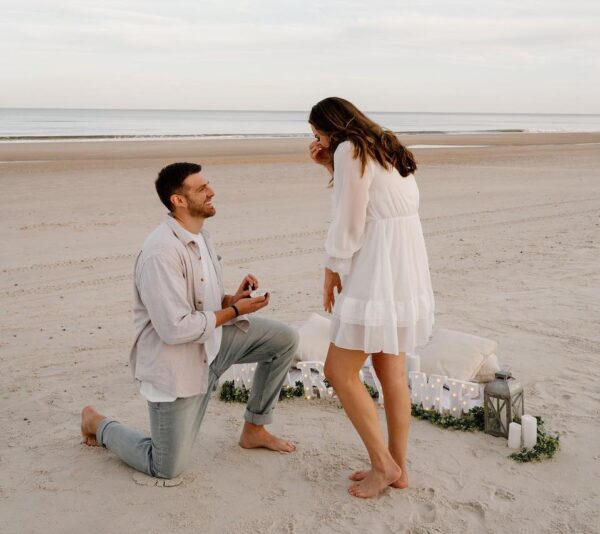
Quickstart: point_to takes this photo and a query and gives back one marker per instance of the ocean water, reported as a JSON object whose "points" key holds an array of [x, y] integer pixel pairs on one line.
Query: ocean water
{"points": [[87, 124]]}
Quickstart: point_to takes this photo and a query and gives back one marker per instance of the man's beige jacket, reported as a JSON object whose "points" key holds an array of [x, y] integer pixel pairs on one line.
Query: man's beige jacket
{"points": [[170, 324]]}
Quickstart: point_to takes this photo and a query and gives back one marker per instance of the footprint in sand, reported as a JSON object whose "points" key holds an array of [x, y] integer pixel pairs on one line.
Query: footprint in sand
{"points": [[478, 508], [478, 453], [426, 513], [503, 494], [312, 474], [144, 480], [425, 493]]}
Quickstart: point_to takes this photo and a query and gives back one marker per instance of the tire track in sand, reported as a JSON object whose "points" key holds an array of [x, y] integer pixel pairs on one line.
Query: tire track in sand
{"points": [[251, 259]]}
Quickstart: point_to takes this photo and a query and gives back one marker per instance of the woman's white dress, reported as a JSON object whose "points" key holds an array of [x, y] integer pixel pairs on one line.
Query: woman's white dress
{"points": [[375, 242]]}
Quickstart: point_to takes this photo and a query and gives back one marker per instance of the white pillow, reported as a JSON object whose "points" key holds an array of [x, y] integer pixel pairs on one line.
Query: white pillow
{"points": [[457, 355], [314, 339], [487, 371]]}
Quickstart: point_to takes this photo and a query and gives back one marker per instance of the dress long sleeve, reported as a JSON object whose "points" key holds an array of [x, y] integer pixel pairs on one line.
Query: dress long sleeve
{"points": [[349, 209]]}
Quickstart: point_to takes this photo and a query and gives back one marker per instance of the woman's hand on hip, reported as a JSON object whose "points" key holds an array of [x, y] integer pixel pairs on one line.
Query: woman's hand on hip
{"points": [[332, 280]]}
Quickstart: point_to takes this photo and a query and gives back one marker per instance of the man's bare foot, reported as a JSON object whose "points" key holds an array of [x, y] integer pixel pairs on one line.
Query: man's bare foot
{"points": [[256, 436], [401, 483], [90, 419], [375, 481]]}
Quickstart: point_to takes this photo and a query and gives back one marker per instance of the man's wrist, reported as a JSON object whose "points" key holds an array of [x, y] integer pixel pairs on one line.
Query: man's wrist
{"points": [[235, 309]]}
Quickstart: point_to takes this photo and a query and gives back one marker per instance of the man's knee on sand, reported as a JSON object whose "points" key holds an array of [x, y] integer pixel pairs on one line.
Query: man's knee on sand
{"points": [[168, 468]]}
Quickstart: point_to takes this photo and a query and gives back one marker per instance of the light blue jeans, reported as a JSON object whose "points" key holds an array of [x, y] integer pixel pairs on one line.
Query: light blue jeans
{"points": [[174, 425]]}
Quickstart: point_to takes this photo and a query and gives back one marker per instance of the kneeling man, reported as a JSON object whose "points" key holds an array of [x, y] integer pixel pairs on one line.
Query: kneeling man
{"points": [[188, 333]]}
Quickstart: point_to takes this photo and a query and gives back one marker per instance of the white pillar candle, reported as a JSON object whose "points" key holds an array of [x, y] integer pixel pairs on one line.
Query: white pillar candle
{"points": [[529, 425], [514, 436]]}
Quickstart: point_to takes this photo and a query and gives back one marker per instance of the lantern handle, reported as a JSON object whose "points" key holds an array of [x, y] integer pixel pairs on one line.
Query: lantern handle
{"points": [[505, 374]]}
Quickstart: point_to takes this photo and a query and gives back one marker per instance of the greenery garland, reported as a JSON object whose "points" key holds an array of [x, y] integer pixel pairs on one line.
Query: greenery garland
{"points": [[546, 447], [229, 393], [474, 419]]}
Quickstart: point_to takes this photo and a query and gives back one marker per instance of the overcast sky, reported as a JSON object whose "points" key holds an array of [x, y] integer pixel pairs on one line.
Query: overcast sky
{"points": [[426, 55]]}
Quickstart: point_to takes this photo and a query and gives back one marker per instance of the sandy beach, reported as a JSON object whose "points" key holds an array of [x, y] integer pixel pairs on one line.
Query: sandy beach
{"points": [[513, 234]]}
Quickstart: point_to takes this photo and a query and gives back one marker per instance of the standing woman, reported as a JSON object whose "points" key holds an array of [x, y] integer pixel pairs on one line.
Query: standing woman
{"points": [[377, 262]]}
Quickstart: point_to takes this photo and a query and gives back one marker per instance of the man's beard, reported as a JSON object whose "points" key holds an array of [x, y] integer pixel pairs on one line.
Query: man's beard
{"points": [[200, 210]]}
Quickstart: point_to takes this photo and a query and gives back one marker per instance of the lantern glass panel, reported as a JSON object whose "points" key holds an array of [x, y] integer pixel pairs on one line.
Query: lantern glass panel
{"points": [[518, 407], [497, 416]]}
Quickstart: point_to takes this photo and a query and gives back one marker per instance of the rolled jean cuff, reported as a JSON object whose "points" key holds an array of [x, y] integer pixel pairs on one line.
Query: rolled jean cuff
{"points": [[258, 418], [100, 430]]}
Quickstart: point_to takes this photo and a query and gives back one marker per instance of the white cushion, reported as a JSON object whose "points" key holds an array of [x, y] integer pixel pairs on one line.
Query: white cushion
{"points": [[314, 339], [458, 355], [487, 371]]}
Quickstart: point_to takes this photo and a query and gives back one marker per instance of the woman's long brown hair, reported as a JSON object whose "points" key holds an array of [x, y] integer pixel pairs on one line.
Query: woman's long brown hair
{"points": [[342, 121]]}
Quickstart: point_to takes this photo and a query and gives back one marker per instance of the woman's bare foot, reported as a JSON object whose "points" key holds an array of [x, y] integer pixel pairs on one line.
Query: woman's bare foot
{"points": [[375, 481], [90, 419], [256, 437], [401, 483]]}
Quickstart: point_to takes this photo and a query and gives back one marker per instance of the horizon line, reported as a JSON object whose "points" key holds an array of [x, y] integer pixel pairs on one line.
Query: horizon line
{"points": [[297, 111]]}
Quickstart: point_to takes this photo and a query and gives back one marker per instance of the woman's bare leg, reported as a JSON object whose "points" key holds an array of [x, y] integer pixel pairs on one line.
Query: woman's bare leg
{"points": [[391, 372], [341, 369]]}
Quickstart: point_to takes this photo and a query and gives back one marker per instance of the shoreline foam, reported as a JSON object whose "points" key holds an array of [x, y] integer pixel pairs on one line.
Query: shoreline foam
{"points": [[190, 137]]}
